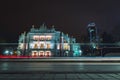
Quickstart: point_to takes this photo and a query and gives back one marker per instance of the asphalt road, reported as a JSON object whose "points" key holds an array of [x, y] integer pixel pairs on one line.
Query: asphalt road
{"points": [[14, 70], [73, 67]]}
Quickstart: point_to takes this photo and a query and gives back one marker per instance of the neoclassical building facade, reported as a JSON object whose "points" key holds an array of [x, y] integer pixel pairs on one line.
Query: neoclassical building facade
{"points": [[44, 42]]}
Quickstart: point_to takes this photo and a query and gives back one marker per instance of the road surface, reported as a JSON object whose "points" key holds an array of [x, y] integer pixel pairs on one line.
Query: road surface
{"points": [[14, 70], [58, 67]]}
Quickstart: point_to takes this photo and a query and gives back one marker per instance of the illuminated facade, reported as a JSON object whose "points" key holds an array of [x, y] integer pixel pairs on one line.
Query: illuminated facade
{"points": [[43, 42]]}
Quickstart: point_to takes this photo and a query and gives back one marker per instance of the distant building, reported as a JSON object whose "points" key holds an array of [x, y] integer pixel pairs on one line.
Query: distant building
{"points": [[92, 32], [93, 39], [93, 35], [42, 42]]}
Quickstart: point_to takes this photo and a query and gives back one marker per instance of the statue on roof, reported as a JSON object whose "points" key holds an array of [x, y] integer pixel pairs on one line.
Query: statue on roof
{"points": [[43, 27], [53, 29]]}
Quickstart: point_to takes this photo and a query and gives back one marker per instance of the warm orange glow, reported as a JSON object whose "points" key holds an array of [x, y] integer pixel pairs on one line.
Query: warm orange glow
{"points": [[35, 46], [66, 46], [41, 46], [47, 53], [41, 53], [48, 37], [48, 46], [36, 37], [34, 53], [42, 37]]}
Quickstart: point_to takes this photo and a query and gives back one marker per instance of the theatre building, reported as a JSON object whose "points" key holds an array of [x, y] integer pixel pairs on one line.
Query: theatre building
{"points": [[44, 42]]}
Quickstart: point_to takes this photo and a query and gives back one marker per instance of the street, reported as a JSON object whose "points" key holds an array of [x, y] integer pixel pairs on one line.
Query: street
{"points": [[58, 67], [59, 70]]}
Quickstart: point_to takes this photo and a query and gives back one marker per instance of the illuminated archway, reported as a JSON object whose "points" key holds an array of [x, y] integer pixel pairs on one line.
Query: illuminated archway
{"points": [[41, 53], [47, 53], [35, 53]]}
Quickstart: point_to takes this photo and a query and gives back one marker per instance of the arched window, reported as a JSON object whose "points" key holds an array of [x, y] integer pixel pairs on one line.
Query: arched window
{"points": [[41, 46], [48, 46], [35, 46], [41, 53]]}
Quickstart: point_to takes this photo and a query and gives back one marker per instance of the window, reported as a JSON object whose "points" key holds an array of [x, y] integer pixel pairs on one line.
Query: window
{"points": [[48, 46], [21, 46], [34, 53], [35, 46], [41, 53], [48, 37], [58, 46], [41, 46], [47, 53], [42, 37], [36, 37], [66, 46]]}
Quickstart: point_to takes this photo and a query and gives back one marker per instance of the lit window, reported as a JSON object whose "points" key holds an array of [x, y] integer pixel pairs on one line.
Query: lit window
{"points": [[42, 37], [58, 46], [48, 37], [48, 46], [36, 37], [35, 46], [48, 53], [41, 53], [34, 53], [42, 46], [21, 45], [66, 46]]}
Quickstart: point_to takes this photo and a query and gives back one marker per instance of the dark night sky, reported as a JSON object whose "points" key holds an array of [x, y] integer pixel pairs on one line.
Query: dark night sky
{"points": [[69, 16]]}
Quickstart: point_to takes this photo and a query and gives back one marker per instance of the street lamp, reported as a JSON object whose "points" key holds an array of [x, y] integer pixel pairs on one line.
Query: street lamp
{"points": [[6, 52]]}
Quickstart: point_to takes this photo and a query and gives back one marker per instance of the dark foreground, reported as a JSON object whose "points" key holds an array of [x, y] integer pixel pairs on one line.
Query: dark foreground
{"points": [[61, 76], [37, 70]]}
